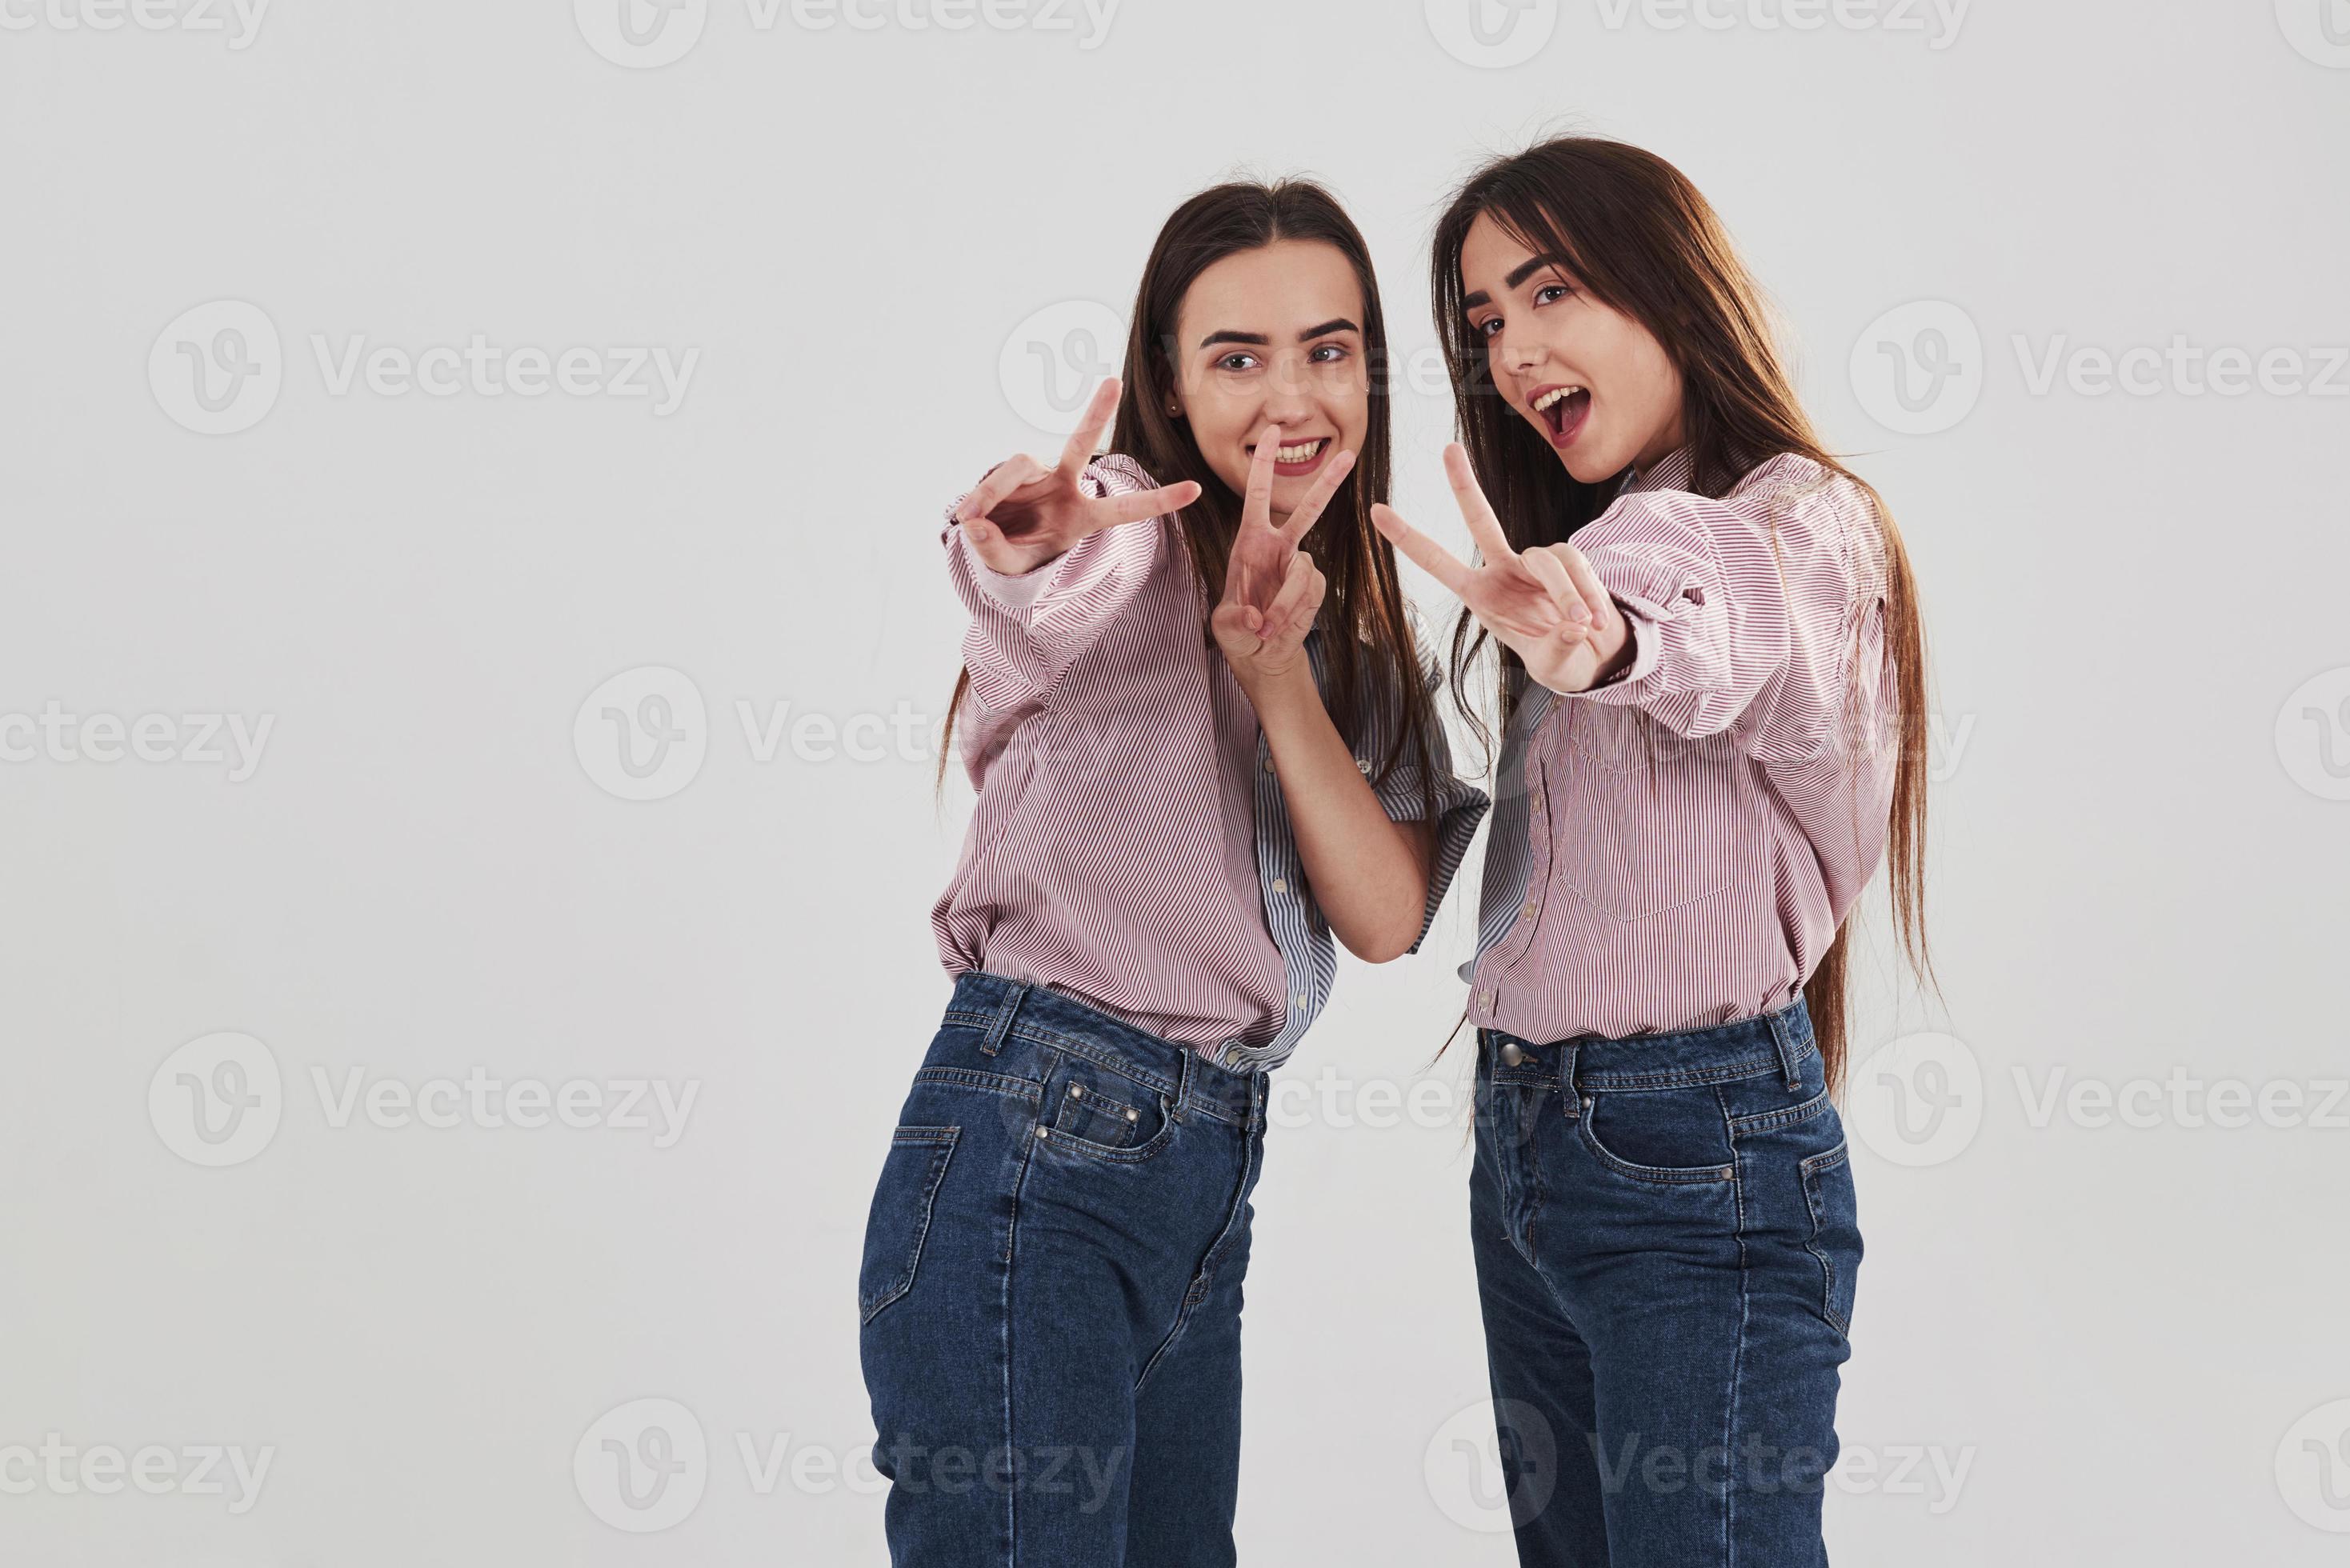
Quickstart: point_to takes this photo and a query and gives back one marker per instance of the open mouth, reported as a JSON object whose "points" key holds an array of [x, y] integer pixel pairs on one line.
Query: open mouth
{"points": [[1294, 458], [1561, 411]]}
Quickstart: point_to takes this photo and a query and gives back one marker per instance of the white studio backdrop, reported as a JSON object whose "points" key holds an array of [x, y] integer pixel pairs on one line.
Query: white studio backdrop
{"points": [[412, 1088]]}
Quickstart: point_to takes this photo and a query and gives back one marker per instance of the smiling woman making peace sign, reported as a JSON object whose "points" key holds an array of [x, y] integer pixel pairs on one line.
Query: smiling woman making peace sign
{"points": [[1712, 711], [1199, 723]]}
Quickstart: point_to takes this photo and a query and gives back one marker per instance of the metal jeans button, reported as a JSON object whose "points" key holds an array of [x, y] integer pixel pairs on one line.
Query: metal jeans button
{"points": [[1512, 1054]]}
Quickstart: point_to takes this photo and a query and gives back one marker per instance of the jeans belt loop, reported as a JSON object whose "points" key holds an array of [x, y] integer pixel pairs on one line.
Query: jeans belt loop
{"points": [[1182, 1083], [1001, 1024], [1567, 1091], [1783, 1038]]}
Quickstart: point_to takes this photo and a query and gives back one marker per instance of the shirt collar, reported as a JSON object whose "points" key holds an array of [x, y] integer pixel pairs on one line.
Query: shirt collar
{"points": [[1671, 471]]}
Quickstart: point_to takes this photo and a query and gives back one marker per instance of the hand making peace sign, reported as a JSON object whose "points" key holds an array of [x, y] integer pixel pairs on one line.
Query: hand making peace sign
{"points": [[1546, 606], [1023, 514], [1272, 589]]}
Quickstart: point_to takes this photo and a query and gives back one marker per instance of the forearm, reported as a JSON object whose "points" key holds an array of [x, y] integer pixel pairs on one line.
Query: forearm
{"points": [[1369, 874]]}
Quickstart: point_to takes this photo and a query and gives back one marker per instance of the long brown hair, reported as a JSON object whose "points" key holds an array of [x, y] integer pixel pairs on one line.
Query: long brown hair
{"points": [[1367, 626], [1633, 230]]}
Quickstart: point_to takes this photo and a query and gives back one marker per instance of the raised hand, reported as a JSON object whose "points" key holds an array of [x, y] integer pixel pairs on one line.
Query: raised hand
{"points": [[1272, 590], [1023, 514], [1545, 605]]}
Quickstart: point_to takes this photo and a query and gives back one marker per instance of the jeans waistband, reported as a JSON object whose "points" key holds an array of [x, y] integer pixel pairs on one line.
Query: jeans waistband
{"points": [[1771, 1042], [1008, 1010]]}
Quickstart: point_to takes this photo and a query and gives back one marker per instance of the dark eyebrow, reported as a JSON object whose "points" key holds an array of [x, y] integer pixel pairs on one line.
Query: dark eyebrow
{"points": [[1527, 268], [1259, 340], [1518, 275]]}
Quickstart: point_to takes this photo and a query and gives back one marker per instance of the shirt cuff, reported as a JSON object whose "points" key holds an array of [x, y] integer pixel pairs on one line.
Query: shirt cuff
{"points": [[1014, 593], [1648, 646]]}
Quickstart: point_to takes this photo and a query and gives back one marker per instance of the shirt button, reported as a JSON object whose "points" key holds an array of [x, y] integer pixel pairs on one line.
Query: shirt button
{"points": [[1534, 799], [1281, 884], [1301, 998], [1487, 999], [1531, 909], [1512, 1055]]}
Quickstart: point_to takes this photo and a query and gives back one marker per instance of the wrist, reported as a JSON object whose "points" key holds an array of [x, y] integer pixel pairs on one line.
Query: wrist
{"points": [[1277, 687], [1003, 558], [1617, 662]]}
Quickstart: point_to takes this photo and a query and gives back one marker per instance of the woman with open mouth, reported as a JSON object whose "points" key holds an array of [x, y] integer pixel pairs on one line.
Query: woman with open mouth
{"points": [[1712, 709], [1202, 735]]}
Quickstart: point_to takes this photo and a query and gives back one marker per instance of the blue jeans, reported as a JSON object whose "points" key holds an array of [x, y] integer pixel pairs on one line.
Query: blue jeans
{"points": [[1051, 1291], [1666, 1243]]}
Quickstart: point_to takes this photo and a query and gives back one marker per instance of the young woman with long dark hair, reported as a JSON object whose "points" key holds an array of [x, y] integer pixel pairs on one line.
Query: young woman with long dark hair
{"points": [[1712, 708], [1204, 739]]}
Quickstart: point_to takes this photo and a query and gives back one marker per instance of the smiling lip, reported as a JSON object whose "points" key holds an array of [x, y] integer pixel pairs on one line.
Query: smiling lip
{"points": [[1321, 444], [1565, 420]]}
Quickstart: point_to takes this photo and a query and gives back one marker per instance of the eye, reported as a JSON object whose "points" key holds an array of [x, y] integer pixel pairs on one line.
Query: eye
{"points": [[1328, 353], [1236, 360], [1552, 292], [1487, 328]]}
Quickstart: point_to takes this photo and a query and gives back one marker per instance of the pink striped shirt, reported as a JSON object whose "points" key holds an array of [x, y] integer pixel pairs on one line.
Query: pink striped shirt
{"points": [[1130, 846], [1674, 849]]}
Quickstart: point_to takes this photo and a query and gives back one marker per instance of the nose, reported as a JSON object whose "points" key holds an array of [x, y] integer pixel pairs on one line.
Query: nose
{"points": [[1286, 404], [1516, 355]]}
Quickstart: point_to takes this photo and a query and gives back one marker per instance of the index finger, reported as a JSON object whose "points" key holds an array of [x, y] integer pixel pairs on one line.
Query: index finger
{"points": [[1422, 551], [1483, 526], [1087, 440]]}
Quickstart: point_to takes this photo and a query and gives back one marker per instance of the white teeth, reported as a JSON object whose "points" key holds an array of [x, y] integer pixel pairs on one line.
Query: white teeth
{"points": [[1555, 395], [1298, 453]]}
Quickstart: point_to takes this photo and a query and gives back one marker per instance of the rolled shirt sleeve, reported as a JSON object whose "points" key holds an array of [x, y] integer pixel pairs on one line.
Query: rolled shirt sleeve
{"points": [[1459, 804], [1026, 631], [1745, 613]]}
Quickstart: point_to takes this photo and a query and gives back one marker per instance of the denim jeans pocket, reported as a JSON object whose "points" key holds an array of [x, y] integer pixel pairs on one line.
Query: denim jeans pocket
{"points": [[1667, 1136], [1835, 1230], [900, 1217], [1090, 1110]]}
